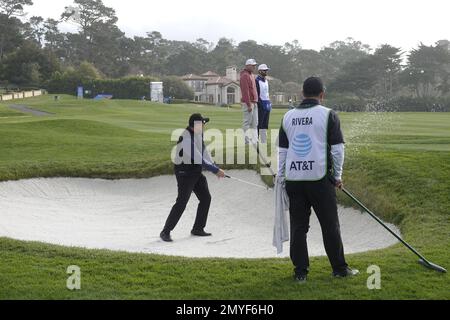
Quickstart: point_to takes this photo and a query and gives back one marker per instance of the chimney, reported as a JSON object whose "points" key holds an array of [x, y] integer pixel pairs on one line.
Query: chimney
{"points": [[232, 73]]}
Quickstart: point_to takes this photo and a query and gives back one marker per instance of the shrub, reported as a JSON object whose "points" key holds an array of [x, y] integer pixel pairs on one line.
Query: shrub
{"points": [[123, 88], [411, 104], [176, 88], [179, 101], [345, 103]]}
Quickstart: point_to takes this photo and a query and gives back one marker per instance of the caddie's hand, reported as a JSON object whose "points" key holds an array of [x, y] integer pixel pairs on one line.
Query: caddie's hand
{"points": [[220, 174], [280, 179], [338, 184]]}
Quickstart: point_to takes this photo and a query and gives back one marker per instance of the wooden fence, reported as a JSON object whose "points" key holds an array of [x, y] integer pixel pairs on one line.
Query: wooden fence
{"points": [[20, 95]]}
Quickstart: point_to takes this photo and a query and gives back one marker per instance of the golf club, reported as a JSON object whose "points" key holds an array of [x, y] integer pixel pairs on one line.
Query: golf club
{"points": [[422, 259], [264, 161], [247, 182]]}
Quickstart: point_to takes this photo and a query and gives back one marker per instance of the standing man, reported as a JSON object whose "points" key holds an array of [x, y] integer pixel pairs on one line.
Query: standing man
{"points": [[311, 155], [264, 105], [249, 101], [191, 157]]}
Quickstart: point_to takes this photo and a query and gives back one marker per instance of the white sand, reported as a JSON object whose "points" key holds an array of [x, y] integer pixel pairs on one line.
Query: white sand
{"points": [[129, 215]]}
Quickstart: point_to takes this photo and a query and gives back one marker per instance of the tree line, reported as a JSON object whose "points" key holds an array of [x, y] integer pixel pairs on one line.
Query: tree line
{"points": [[33, 51]]}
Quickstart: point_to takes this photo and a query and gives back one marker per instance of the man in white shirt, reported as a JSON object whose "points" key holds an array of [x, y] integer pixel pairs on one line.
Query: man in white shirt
{"points": [[264, 105]]}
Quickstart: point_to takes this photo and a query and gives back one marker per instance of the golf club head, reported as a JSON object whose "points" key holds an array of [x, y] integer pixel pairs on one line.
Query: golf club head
{"points": [[432, 266]]}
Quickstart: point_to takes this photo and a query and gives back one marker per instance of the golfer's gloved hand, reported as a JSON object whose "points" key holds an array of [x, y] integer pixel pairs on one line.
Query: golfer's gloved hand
{"points": [[220, 174]]}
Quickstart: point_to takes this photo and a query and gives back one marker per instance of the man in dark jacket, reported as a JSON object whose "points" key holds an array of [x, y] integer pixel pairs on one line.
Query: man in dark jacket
{"points": [[192, 158]]}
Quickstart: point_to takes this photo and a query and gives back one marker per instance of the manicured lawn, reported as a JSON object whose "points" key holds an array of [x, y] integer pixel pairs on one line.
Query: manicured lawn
{"points": [[397, 164]]}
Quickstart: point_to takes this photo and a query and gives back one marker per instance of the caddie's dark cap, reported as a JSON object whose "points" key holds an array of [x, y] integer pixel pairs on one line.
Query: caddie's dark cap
{"points": [[312, 87], [197, 117]]}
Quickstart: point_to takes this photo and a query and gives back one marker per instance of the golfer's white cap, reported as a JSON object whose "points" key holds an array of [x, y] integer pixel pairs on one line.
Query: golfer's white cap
{"points": [[251, 62], [263, 67]]}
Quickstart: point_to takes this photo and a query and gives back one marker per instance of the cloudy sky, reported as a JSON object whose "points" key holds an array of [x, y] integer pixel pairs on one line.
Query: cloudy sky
{"points": [[402, 23]]}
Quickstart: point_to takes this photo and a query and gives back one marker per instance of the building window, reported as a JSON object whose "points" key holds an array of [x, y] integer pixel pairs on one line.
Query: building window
{"points": [[231, 95], [198, 85]]}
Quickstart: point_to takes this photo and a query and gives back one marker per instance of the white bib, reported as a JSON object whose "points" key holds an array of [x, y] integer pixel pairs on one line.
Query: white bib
{"points": [[264, 90], [306, 130]]}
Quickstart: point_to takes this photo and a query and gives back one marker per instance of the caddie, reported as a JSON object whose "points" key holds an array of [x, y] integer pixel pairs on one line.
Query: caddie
{"points": [[311, 156]]}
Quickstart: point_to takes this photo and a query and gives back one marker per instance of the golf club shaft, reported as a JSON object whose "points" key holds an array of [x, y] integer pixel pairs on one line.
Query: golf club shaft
{"points": [[263, 159], [383, 224], [246, 182]]}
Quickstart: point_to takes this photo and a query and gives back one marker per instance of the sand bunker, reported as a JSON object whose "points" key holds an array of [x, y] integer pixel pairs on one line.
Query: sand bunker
{"points": [[128, 215]]}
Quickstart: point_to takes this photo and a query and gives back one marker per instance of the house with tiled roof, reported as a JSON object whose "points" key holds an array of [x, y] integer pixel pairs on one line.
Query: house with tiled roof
{"points": [[210, 87], [210, 74]]}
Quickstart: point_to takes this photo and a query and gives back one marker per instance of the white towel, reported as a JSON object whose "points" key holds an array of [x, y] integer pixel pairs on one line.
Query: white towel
{"points": [[281, 227]]}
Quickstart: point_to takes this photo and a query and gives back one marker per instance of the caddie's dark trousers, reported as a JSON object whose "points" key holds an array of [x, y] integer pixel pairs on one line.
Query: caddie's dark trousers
{"points": [[186, 185], [321, 196], [263, 118]]}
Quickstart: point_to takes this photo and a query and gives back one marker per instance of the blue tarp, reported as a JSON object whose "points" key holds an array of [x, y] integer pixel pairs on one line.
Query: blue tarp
{"points": [[103, 96]]}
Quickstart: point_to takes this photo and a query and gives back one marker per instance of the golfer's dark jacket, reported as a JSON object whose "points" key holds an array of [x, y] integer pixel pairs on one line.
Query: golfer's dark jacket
{"points": [[334, 137], [186, 164]]}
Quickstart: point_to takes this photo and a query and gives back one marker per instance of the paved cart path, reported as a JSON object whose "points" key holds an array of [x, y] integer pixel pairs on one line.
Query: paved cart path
{"points": [[26, 109]]}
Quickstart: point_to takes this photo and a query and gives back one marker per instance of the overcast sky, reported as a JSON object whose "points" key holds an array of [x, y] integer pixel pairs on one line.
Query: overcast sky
{"points": [[401, 23]]}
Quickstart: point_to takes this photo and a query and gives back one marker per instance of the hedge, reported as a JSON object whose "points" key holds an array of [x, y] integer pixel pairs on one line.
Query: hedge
{"points": [[409, 104], [397, 104], [124, 88]]}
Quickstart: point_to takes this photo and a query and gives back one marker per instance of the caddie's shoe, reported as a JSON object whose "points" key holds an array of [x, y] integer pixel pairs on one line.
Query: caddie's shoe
{"points": [[348, 272], [200, 233], [299, 277], [165, 236]]}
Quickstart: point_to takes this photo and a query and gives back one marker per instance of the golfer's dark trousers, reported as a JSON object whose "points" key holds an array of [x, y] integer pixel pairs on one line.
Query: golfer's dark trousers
{"points": [[197, 183], [321, 196]]}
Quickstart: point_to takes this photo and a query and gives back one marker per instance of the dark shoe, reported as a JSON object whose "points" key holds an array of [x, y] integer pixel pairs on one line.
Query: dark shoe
{"points": [[165, 236], [301, 278], [200, 233], [348, 272]]}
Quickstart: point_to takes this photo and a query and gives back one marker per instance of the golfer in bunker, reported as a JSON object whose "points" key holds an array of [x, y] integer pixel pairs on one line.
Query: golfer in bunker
{"points": [[190, 159], [311, 158]]}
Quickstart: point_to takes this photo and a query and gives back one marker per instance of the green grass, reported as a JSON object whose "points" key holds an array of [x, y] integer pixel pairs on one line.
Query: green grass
{"points": [[397, 164], [7, 112]]}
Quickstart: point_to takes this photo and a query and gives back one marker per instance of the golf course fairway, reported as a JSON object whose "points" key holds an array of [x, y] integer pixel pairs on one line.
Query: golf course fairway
{"points": [[398, 164]]}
